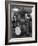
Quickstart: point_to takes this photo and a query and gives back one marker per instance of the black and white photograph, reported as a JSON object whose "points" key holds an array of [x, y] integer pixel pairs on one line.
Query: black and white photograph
{"points": [[21, 22]]}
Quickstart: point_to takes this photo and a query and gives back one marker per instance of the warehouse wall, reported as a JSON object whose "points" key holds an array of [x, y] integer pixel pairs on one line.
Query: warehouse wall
{"points": [[37, 22]]}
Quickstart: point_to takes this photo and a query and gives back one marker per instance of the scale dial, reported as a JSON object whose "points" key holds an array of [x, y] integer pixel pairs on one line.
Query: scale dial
{"points": [[17, 31]]}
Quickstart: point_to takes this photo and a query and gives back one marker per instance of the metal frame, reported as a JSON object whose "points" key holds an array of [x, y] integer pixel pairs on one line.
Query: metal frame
{"points": [[6, 33]]}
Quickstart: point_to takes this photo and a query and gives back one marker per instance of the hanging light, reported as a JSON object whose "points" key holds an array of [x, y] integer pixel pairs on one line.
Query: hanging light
{"points": [[15, 9]]}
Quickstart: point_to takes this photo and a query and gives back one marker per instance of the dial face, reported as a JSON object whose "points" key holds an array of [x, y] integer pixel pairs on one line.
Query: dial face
{"points": [[17, 31]]}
